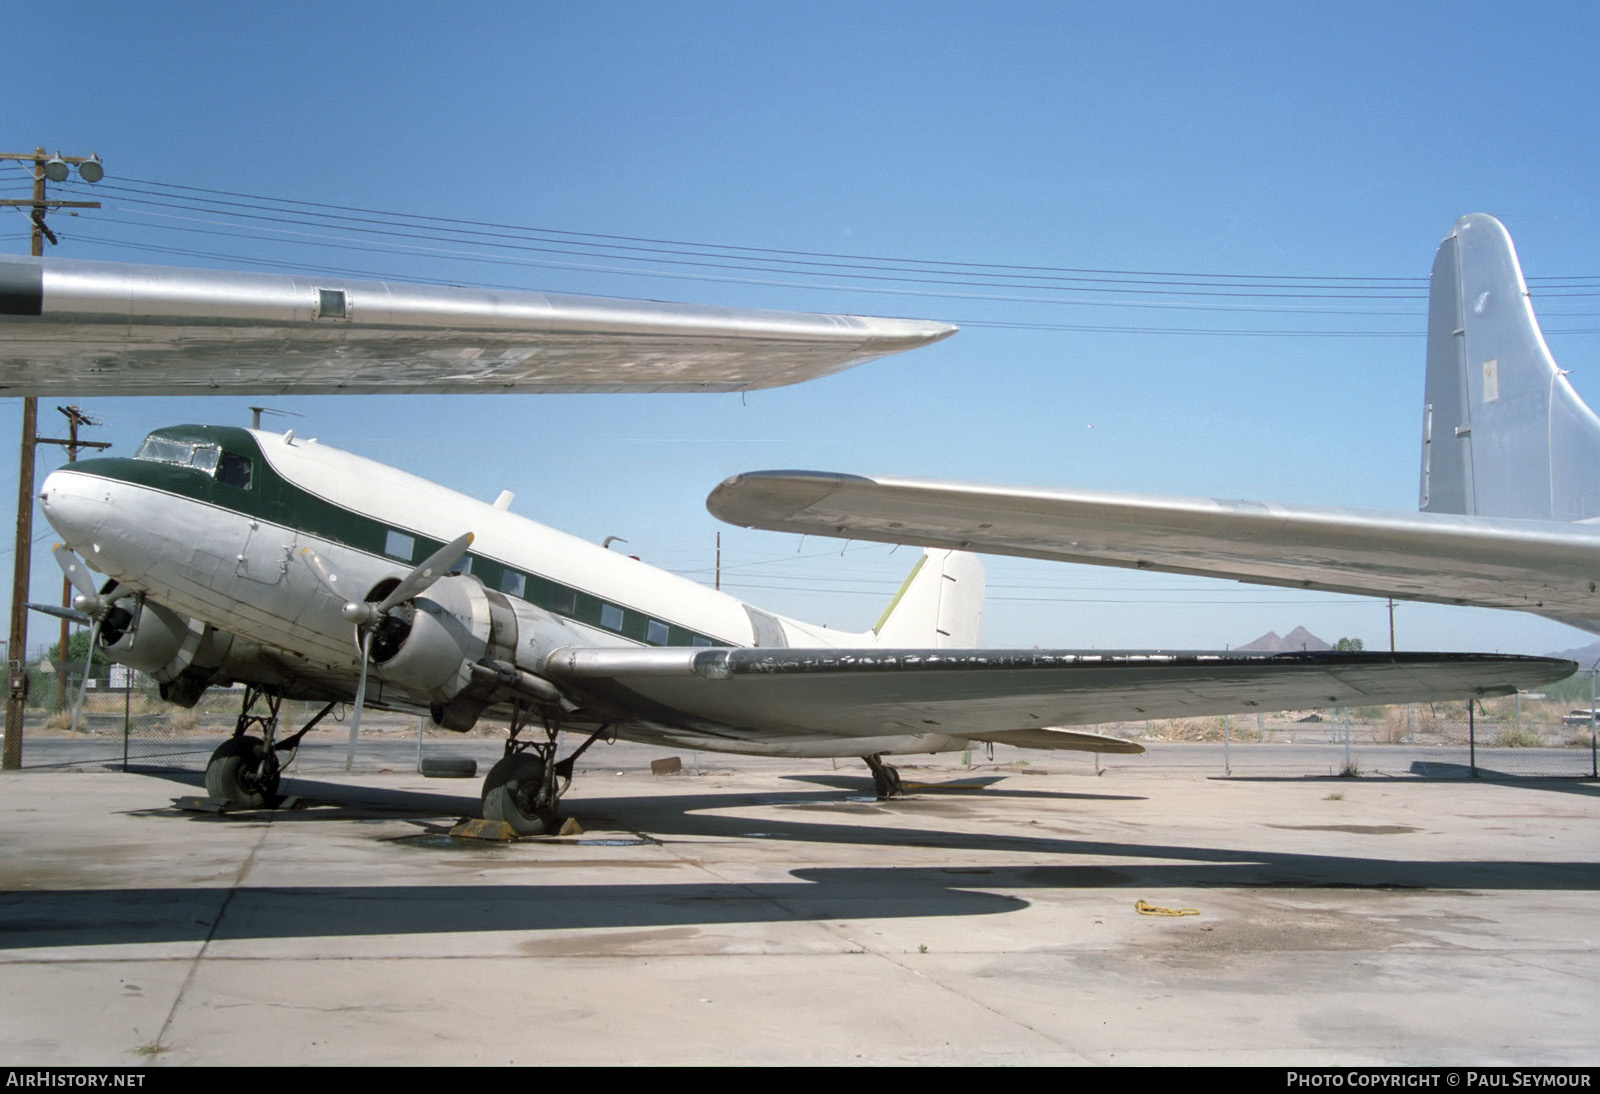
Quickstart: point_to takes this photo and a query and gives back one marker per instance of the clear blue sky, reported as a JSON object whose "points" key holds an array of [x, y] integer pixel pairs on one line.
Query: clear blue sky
{"points": [[1282, 140]]}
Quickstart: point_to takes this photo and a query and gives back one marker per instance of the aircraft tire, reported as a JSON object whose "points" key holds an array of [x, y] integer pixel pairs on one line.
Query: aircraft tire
{"points": [[234, 774], [509, 794]]}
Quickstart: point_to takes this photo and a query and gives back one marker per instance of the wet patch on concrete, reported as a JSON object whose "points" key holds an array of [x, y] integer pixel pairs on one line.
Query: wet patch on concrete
{"points": [[830, 805], [444, 841], [1357, 829], [611, 943], [524, 863], [1277, 929], [933, 808]]}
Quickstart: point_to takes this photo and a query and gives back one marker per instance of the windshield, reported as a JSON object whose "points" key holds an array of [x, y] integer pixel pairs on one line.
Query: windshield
{"points": [[202, 457]]}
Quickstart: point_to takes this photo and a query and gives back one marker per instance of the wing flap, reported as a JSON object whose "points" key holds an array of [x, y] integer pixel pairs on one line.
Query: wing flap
{"points": [[978, 694], [71, 327], [1055, 738], [1525, 565]]}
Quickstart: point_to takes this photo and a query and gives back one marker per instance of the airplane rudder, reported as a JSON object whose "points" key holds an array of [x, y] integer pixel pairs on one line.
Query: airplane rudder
{"points": [[938, 606]]}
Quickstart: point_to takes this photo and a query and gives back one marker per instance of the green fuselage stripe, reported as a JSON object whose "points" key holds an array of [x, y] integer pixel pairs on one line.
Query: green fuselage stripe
{"points": [[273, 499]]}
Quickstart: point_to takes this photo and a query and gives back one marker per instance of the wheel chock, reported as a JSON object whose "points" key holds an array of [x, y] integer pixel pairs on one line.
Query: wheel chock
{"points": [[492, 830]]}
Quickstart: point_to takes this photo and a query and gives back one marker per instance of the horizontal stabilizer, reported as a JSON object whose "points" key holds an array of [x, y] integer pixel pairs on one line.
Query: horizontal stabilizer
{"points": [[1547, 568], [74, 328]]}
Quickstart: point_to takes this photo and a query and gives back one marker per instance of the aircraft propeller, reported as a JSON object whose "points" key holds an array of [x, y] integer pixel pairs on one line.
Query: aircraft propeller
{"points": [[89, 603], [366, 615]]}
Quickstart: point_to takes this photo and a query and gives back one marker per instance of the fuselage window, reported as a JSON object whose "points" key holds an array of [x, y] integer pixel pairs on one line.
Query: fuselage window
{"points": [[656, 633], [564, 602], [513, 583], [611, 617], [232, 469], [399, 545]]}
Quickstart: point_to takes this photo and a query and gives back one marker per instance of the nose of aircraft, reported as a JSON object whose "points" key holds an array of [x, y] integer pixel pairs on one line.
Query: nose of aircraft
{"points": [[74, 504]]}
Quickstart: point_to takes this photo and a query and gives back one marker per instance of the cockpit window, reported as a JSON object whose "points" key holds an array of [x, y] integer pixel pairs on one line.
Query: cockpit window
{"points": [[166, 450], [233, 470], [227, 467]]}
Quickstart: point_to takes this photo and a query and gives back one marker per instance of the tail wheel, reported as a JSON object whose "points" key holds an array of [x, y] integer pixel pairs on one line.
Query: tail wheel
{"points": [[513, 793], [243, 773]]}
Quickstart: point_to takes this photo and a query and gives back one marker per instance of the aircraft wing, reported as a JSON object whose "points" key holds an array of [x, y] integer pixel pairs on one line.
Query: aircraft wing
{"points": [[72, 328], [1545, 567], [990, 694]]}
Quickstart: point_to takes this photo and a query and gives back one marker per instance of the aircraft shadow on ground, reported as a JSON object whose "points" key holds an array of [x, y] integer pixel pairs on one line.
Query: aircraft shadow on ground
{"points": [[965, 887], [92, 917], [1432, 769]]}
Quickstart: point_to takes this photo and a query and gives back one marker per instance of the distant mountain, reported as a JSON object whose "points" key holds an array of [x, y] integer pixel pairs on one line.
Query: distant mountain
{"points": [[1585, 656], [1297, 639]]}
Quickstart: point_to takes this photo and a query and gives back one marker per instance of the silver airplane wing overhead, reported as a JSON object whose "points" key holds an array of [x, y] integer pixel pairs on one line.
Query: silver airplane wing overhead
{"points": [[1009, 696], [74, 328], [1548, 568], [1510, 457]]}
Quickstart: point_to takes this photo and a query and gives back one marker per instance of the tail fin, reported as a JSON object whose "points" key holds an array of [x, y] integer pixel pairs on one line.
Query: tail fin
{"points": [[1504, 434], [939, 605]]}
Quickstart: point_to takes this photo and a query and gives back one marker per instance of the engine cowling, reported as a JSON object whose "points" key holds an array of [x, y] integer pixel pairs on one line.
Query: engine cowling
{"points": [[455, 648], [183, 655]]}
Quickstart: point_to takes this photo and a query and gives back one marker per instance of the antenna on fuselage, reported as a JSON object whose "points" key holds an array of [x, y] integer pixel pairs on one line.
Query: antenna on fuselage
{"points": [[257, 411]]}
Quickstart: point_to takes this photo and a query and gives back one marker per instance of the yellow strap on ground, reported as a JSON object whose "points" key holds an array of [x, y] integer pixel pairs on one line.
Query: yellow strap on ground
{"points": [[1151, 909]]}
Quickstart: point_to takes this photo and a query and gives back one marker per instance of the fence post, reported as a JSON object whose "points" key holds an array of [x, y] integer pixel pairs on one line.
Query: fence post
{"points": [[1346, 712], [1472, 741], [1594, 771]]}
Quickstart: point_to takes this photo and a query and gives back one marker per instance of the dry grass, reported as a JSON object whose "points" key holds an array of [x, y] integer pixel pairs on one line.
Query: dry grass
{"points": [[1516, 737]]}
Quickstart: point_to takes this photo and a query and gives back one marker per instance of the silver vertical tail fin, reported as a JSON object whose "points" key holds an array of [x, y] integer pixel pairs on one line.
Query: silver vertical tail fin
{"points": [[939, 606], [1503, 434]]}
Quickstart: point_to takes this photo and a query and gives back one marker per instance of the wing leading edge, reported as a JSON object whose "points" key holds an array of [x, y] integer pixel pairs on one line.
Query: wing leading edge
{"points": [[1010, 696], [1544, 567], [72, 328]]}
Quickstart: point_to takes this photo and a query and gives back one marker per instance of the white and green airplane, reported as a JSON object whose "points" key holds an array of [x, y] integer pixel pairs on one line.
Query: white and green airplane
{"points": [[305, 572]]}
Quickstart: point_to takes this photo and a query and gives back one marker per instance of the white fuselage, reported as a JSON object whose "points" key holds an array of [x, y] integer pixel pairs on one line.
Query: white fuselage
{"points": [[241, 572]]}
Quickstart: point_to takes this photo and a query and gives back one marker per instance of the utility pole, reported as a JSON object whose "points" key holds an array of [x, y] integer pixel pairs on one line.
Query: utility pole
{"points": [[54, 169], [75, 418]]}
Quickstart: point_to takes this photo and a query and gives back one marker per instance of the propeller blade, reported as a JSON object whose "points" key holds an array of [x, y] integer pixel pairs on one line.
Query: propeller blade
{"points": [[83, 686], [356, 611], [327, 573], [60, 613], [76, 571], [432, 569], [361, 700]]}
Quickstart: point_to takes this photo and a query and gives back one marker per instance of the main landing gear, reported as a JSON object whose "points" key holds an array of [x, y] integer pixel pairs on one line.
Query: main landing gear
{"points": [[525, 787], [885, 779], [244, 770]]}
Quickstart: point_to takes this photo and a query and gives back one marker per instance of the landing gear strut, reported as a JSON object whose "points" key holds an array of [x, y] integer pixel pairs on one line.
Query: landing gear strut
{"points": [[244, 771], [885, 779], [524, 788]]}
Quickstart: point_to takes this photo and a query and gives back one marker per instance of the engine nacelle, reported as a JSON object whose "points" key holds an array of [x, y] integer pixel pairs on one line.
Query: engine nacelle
{"points": [[458, 648], [427, 644], [184, 655]]}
